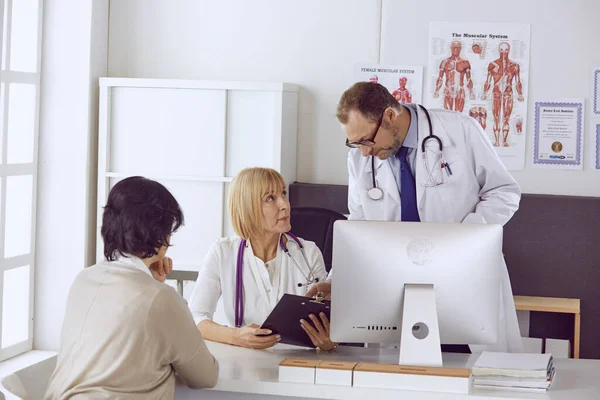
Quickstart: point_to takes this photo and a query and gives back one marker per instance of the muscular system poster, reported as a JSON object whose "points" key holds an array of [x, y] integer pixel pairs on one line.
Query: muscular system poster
{"points": [[482, 70]]}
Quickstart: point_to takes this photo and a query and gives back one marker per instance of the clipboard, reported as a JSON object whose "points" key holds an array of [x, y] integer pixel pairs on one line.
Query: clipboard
{"points": [[285, 318]]}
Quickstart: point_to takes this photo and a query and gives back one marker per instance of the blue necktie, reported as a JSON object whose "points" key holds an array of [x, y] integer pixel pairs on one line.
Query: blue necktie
{"points": [[408, 189]]}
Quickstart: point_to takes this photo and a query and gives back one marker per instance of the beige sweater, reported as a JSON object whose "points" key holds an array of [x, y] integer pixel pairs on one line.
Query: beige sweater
{"points": [[125, 336]]}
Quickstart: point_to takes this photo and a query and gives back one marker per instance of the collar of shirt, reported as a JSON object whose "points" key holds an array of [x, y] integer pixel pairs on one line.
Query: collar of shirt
{"points": [[269, 274], [133, 262], [411, 139], [270, 267]]}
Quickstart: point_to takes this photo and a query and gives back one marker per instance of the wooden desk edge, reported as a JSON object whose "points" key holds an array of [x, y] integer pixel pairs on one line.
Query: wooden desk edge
{"points": [[547, 309], [535, 303], [413, 370]]}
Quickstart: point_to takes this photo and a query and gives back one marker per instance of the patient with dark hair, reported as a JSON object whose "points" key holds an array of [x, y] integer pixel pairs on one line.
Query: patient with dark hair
{"points": [[126, 333]]}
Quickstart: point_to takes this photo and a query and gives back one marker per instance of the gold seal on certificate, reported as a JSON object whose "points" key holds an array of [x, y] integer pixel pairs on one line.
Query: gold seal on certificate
{"points": [[557, 147]]}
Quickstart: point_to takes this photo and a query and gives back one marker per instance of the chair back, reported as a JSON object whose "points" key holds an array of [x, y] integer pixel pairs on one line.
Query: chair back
{"points": [[316, 224]]}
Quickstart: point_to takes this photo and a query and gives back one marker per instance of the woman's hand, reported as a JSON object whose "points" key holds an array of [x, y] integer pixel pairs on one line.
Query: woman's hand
{"points": [[160, 269], [252, 337], [319, 333], [323, 287]]}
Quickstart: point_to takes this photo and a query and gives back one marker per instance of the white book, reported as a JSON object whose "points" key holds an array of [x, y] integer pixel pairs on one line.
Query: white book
{"points": [[513, 364], [531, 375], [491, 382], [509, 388], [500, 378]]}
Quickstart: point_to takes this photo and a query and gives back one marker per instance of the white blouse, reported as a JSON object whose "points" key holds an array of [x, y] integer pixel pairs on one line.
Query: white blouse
{"points": [[263, 283]]}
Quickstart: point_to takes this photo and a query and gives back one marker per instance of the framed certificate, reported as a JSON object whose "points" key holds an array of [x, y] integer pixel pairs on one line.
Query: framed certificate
{"points": [[596, 91], [597, 146], [558, 134]]}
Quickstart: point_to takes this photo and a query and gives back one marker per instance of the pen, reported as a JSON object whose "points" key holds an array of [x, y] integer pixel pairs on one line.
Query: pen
{"points": [[448, 168]]}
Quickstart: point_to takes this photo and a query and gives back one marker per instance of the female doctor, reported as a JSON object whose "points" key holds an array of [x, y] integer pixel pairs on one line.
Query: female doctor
{"points": [[254, 270]]}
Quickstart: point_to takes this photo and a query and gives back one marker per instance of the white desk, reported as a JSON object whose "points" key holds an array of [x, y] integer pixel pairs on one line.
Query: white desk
{"points": [[255, 372]]}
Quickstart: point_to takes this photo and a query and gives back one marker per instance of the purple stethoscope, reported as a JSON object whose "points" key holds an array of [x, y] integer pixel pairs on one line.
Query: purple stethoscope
{"points": [[239, 284]]}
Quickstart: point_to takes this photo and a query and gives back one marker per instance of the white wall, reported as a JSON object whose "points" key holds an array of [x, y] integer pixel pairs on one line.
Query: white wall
{"points": [[314, 42], [308, 42], [74, 53]]}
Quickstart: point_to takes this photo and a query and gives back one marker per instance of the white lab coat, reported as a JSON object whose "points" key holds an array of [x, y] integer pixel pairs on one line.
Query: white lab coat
{"points": [[218, 278], [480, 190]]}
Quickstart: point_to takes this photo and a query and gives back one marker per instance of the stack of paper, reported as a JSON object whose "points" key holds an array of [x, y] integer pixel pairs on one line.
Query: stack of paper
{"points": [[526, 372]]}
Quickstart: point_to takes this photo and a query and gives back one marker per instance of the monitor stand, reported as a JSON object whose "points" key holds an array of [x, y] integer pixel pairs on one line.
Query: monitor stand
{"points": [[420, 334]]}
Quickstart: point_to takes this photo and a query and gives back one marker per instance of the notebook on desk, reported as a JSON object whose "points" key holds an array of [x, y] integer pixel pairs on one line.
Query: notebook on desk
{"points": [[519, 365], [285, 318], [510, 371]]}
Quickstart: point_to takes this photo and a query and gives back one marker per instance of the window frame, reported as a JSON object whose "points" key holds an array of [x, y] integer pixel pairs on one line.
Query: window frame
{"points": [[8, 77]]}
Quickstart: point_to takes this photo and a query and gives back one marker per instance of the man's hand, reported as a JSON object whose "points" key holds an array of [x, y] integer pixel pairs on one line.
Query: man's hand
{"points": [[252, 337], [160, 269], [324, 287]]}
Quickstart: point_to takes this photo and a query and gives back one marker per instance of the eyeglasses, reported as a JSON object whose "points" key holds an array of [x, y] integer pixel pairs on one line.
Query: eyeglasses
{"points": [[367, 142]]}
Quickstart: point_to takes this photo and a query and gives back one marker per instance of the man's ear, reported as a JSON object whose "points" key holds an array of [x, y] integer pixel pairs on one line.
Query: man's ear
{"points": [[389, 116]]}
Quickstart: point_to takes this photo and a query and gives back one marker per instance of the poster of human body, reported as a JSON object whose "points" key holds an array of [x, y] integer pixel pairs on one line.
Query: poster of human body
{"points": [[405, 83], [482, 70]]}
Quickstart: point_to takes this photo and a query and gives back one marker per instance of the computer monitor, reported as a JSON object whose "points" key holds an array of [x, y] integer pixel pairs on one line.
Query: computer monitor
{"points": [[374, 261]]}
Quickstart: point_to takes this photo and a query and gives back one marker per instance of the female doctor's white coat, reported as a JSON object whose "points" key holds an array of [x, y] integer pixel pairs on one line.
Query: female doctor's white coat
{"points": [[263, 286], [480, 190]]}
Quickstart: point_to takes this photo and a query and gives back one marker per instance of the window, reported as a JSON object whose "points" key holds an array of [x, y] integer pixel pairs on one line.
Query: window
{"points": [[19, 112]]}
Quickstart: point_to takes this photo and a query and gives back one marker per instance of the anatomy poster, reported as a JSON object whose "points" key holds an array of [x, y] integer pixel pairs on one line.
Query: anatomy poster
{"points": [[405, 83], [482, 70]]}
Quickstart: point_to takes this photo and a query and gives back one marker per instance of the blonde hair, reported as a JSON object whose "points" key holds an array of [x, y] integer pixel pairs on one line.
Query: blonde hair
{"points": [[244, 204]]}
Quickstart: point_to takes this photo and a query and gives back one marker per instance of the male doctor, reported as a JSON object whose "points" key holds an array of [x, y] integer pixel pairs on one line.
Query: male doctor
{"points": [[465, 181]]}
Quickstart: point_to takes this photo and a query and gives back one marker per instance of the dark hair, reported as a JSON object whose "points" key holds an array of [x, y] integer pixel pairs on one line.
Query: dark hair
{"points": [[138, 218], [369, 98]]}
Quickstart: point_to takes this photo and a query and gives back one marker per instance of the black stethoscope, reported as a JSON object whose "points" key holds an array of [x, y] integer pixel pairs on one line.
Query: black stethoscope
{"points": [[239, 284], [376, 193]]}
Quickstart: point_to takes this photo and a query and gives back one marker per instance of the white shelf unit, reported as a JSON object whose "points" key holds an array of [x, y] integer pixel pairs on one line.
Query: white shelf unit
{"points": [[193, 137]]}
